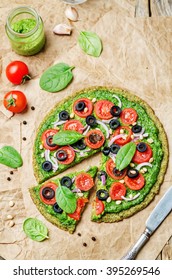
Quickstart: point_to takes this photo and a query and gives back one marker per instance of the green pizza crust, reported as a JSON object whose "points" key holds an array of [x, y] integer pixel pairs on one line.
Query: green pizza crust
{"points": [[62, 221], [146, 118]]}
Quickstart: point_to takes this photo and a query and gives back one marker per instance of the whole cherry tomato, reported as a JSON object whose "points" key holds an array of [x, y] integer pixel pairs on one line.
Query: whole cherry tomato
{"points": [[17, 72], [15, 101]]}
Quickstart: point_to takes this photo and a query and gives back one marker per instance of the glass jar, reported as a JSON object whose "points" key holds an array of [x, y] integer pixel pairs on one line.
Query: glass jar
{"points": [[25, 31]]}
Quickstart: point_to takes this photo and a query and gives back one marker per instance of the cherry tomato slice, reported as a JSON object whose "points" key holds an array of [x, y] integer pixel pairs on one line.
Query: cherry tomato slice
{"points": [[70, 155], [140, 157], [15, 101], [17, 72], [110, 165], [128, 116], [94, 139], [122, 141], [84, 181], [45, 135], [102, 109], [135, 183], [117, 190], [74, 125], [80, 205], [51, 201], [99, 206], [87, 110]]}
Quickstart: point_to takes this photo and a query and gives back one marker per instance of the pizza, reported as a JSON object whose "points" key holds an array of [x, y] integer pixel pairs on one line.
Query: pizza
{"points": [[62, 200], [127, 133]]}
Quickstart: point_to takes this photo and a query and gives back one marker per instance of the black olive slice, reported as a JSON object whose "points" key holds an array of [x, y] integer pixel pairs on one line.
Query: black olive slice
{"points": [[102, 194], [106, 151], [64, 115], [48, 193], [100, 173], [49, 141], [80, 145], [136, 128], [80, 106], [117, 173], [115, 111], [132, 173], [91, 120], [114, 124], [61, 155], [57, 209], [94, 138], [141, 147], [114, 148], [47, 166], [66, 181]]}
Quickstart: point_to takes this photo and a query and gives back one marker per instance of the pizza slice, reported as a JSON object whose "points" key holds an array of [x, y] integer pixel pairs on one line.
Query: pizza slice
{"points": [[62, 200]]}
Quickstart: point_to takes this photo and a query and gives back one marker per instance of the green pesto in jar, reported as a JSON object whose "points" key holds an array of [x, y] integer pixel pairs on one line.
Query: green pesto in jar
{"points": [[30, 39], [24, 25]]}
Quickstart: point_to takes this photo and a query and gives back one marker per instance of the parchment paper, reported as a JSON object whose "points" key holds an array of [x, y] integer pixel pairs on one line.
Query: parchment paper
{"points": [[136, 56]]}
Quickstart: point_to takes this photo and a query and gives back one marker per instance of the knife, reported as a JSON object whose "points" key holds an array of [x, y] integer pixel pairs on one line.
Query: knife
{"points": [[159, 213]]}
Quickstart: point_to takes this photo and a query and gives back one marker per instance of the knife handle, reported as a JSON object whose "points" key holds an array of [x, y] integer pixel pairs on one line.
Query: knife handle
{"points": [[132, 253]]}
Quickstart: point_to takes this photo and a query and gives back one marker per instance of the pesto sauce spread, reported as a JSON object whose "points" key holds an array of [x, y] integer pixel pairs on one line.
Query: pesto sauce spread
{"points": [[143, 119]]}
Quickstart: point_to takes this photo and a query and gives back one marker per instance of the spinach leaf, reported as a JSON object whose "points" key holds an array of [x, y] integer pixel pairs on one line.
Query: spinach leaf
{"points": [[125, 155], [10, 157], [56, 77], [35, 229], [90, 43], [66, 199], [67, 137]]}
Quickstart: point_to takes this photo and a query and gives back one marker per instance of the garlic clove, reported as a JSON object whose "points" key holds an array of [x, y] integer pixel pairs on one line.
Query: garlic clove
{"points": [[71, 13], [62, 29]]}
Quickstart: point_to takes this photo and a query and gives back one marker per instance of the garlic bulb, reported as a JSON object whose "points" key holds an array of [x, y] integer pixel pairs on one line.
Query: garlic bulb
{"points": [[71, 13], [62, 29]]}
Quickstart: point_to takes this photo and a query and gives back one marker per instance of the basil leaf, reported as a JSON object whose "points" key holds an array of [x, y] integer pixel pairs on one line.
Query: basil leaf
{"points": [[35, 229], [10, 157], [125, 155], [56, 77], [90, 43], [67, 137], [66, 199]]}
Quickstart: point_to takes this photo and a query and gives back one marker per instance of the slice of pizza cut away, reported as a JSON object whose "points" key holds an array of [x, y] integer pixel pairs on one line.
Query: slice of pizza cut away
{"points": [[62, 200]]}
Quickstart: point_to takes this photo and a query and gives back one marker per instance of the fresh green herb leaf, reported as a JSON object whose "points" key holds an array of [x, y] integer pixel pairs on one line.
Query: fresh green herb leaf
{"points": [[90, 43], [67, 137], [10, 157], [66, 199], [35, 229], [125, 155], [56, 77]]}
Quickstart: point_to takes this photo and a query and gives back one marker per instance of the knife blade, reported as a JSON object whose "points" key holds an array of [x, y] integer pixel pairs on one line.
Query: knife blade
{"points": [[159, 213]]}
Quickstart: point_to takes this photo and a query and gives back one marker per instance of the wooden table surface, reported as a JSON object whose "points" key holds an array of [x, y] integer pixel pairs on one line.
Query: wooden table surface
{"points": [[154, 8]]}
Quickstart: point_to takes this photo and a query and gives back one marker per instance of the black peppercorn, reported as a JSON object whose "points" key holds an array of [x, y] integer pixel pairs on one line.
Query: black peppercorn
{"points": [[93, 238]]}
